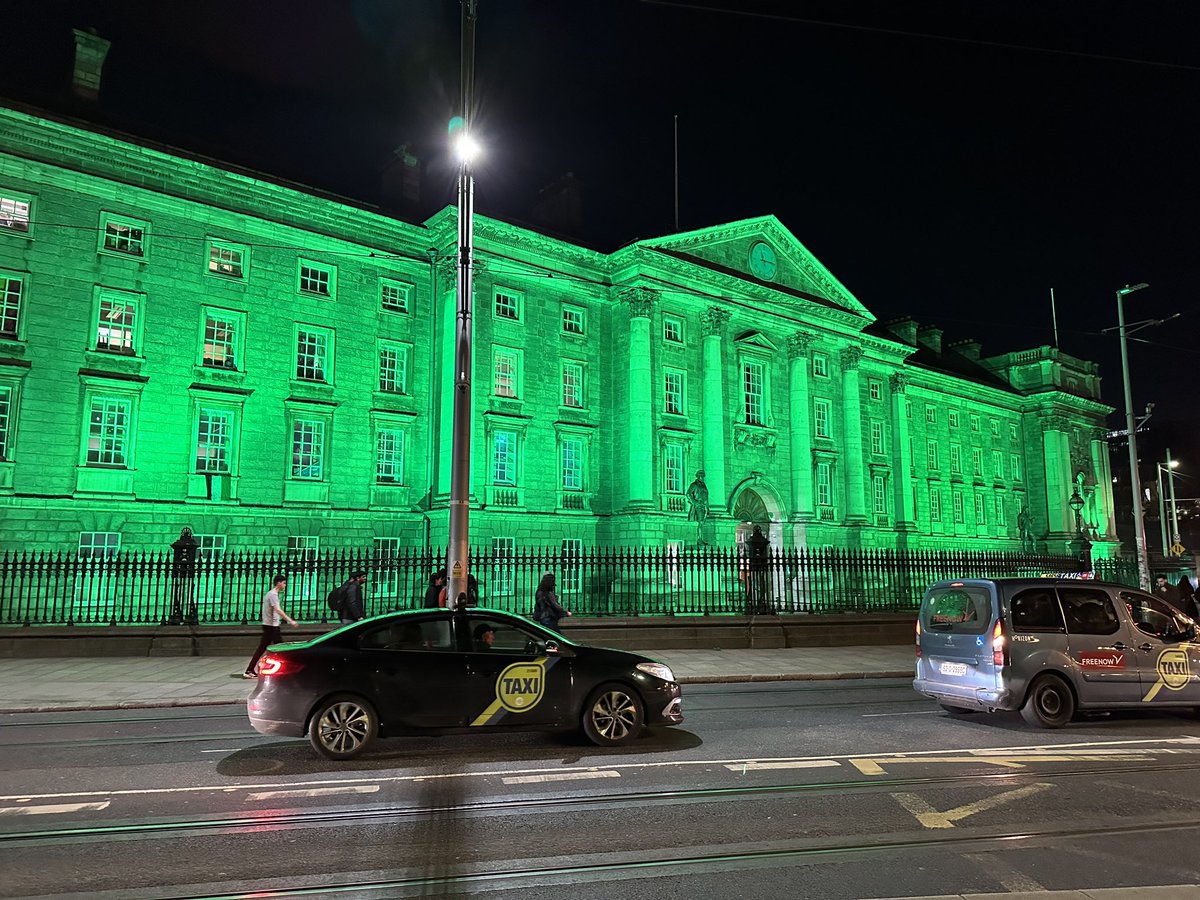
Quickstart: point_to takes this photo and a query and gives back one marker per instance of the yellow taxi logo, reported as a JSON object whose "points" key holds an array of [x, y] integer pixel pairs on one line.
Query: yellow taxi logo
{"points": [[520, 686], [1173, 669]]}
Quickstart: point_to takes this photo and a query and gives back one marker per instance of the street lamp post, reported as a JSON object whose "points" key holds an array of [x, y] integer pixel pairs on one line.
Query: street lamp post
{"points": [[458, 544], [1171, 464], [1139, 525], [1081, 545], [1168, 467]]}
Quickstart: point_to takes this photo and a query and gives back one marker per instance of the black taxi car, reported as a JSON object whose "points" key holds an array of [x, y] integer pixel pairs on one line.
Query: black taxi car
{"points": [[441, 671]]}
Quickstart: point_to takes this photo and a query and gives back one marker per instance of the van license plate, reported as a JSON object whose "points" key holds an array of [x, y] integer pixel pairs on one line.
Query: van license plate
{"points": [[949, 668]]}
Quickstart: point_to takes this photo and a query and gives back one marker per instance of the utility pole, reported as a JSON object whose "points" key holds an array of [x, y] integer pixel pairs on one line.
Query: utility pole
{"points": [[1174, 509], [459, 543], [1135, 480]]}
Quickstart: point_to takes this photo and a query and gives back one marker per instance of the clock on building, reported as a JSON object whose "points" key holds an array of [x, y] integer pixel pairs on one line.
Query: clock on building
{"points": [[763, 263]]}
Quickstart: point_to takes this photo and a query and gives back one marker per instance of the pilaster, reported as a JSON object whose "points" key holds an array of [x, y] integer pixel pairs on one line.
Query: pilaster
{"points": [[713, 424], [799, 346], [856, 491]]}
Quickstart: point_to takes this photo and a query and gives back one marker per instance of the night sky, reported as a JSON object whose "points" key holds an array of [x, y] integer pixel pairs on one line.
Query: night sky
{"points": [[952, 161]]}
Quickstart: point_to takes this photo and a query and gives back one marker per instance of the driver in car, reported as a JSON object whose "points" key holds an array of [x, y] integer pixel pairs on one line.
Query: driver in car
{"points": [[484, 637]]}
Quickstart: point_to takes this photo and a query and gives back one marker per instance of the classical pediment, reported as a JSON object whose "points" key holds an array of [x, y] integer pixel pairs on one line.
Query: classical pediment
{"points": [[755, 340]]}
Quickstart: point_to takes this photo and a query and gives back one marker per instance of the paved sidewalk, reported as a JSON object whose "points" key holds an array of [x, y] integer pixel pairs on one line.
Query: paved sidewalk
{"points": [[1155, 892], [34, 685]]}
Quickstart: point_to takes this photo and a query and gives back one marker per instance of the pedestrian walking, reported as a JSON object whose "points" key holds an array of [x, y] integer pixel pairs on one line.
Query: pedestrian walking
{"points": [[272, 612], [433, 593], [352, 606], [547, 611]]}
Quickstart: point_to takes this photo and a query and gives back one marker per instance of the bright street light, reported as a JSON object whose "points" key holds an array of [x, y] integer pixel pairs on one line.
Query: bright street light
{"points": [[466, 148], [1139, 525]]}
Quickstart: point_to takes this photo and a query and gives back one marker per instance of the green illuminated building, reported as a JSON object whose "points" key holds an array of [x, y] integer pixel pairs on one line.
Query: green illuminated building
{"points": [[187, 344]]}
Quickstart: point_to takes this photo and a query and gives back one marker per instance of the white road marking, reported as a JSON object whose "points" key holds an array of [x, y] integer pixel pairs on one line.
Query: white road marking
{"points": [[1159, 747], [229, 750], [1012, 880], [50, 808], [931, 818], [923, 712], [758, 765], [562, 776], [315, 792]]}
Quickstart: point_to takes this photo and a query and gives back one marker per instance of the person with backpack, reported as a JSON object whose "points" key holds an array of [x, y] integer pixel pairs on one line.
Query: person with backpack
{"points": [[347, 600], [547, 611]]}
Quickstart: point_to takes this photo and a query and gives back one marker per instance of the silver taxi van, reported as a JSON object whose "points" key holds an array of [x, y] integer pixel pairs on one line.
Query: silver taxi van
{"points": [[1051, 646]]}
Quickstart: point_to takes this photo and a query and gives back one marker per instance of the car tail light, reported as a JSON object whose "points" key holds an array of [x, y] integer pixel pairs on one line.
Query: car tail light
{"points": [[918, 638], [998, 644], [276, 664]]}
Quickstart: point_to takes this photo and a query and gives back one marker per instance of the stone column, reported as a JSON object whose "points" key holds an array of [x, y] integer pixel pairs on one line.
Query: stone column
{"points": [[640, 422], [856, 492], [447, 272], [715, 428], [800, 425], [1056, 456], [1107, 522], [906, 513]]}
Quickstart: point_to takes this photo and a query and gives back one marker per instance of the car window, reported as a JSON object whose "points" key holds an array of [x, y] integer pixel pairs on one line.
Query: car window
{"points": [[1154, 617], [499, 636], [1037, 610], [405, 634], [1088, 611], [959, 610]]}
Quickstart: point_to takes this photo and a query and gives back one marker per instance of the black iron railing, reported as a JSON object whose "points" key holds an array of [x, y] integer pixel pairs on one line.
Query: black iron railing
{"points": [[42, 588]]}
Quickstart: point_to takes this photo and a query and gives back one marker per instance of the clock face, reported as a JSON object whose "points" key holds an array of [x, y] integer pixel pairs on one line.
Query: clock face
{"points": [[762, 261]]}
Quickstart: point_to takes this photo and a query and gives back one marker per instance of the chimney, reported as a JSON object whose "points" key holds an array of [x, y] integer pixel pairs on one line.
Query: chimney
{"points": [[931, 337], [90, 53], [904, 328], [968, 347]]}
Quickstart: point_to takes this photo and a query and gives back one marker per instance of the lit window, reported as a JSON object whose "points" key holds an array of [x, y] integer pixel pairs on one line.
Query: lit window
{"points": [[116, 325], [312, 355], [673, 392], [877, 438], [875, 389], [395, 296], [504, 457], [507, 305], [308, 449], [316, 278], [393, 368], [108, 432], [14, 214], [572, 464], [124, 236], [572, 385], [225, 259], [673, 468], [820, 365], [214, 439], [389, 456], [220, 341], [572, 320], [505, 367], [672, 330], [754, 392], [821, 411], [10, 305]]}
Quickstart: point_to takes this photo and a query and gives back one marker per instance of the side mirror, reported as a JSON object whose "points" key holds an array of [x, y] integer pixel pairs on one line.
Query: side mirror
{"points": [[551, 648]]}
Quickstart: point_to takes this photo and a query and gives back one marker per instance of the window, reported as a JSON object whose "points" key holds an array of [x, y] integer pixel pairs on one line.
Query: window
{"points": [[505, 373], [117, 323], [965, 610], [824, 484], [507, 304], [1012, 432], [11, 288], [228, 260], [1036, 610], [108, 432], [877, 438], [1088, 611], [955, 459], [393, 368], [99, 544], [504, 457], [754, 388], [980, 516], [820, 365], [214, 440], [821, 418], [935, 504], [428, 636], [572, 385], [6, 420], [572, 555], [127, 237], [997, 465], [312, 354], [875, 389], [672, 330], [995, 428], [210, 547], [930, 414], [952, 418], [389, 456], [974, 423], [673, 398], [960, 515], [931, 456], [1014, 466], [1154, 617], [1001, 512], [976, 461], [879, 494], [673, 468], [308, 449], [572, 464], [316, 278], [14, 214], [394, 296], [573, 320], [503, 572], [219, 341]]}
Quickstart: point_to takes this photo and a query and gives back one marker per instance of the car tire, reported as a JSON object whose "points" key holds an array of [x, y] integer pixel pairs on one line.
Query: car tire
{"points": [[343, 727], [613, 715], [958, 710], [1049, 703]]}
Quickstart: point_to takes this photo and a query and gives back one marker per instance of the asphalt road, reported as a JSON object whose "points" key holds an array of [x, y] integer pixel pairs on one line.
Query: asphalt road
{"points": [[848, 789]]}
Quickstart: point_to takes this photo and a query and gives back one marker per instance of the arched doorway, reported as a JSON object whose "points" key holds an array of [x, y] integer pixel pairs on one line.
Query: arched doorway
{"points": [[755, 506]]}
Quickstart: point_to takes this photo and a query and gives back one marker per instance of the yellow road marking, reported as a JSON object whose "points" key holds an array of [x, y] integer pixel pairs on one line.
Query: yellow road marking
{"points": [[931, 818], [874, 767]]}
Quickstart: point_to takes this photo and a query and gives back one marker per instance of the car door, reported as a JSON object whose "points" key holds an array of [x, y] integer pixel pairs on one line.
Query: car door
{"points": [[416, 673], [1168, 662], [1101, 647], [511, 680]]}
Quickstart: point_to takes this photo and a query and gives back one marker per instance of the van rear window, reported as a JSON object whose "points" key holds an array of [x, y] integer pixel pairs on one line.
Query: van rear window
{"points": [[959, 610]]}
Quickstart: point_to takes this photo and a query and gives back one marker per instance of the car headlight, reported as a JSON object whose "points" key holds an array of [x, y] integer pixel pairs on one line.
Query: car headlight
{"points": [[658, 670]]}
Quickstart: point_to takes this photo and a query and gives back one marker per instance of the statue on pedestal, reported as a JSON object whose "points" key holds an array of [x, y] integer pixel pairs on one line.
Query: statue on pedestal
{"points": [[697, 497]]}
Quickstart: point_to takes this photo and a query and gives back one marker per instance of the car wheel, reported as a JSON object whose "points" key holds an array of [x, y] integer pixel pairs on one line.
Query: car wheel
{"points": [[958, 710], [1049, 703], [342, 727], [612, 715]]}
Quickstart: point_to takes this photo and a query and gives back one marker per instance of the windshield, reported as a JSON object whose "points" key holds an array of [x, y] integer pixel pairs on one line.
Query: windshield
{"points": [[960, 610]]}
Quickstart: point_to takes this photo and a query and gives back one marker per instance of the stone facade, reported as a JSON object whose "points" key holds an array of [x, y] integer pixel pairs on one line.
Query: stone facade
{"points": [[187, 344]]}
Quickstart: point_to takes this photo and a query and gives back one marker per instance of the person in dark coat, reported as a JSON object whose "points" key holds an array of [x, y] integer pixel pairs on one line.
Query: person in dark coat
{"points": [[1167, 592], [547, 611], [352, 608], [433, 593], [1188, 599]]}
